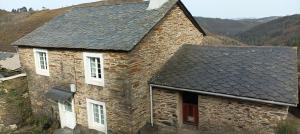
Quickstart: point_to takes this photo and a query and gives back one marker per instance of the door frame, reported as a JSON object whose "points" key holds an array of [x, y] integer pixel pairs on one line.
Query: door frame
{"points": [[89, 116], [61, 110]]}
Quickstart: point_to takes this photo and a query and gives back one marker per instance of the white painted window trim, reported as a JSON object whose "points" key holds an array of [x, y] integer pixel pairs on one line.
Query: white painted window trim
{"points": [[38, 68], [90, 114], [88, 78]]}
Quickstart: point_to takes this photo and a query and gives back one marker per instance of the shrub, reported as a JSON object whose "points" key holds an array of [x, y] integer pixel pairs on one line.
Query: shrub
{"points": [[286, 127]]}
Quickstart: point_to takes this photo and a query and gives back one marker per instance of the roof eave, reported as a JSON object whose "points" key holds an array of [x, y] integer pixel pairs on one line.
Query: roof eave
{"points": [[226, 95], [79, 49]]}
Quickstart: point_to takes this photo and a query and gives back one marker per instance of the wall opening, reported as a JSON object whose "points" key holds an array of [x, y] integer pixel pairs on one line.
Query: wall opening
{"points": [[190, 108]]}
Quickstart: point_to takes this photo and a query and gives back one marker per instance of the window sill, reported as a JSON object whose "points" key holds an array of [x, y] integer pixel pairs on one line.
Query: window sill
{"points": [[95, 82], [42, 72], [92, 125]]}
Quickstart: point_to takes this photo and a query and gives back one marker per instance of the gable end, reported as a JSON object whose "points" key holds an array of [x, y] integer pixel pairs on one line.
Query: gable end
{"points": [[190, 17]]}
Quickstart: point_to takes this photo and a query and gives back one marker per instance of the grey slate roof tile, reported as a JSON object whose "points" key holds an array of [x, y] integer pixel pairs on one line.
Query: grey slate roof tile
{"points": [[108, 27], [265, 73], [5, 55]]}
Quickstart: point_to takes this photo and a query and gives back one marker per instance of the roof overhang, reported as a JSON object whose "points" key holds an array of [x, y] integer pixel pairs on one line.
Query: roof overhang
{"points": [[224, 95], [58, 94]]}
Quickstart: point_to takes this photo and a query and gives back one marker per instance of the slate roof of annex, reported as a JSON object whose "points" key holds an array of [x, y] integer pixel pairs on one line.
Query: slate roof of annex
{"points": [[6, 55], [264, 73]]}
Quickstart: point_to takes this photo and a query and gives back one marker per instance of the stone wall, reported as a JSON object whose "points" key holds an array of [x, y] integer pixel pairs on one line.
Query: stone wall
{"points": [[151, 54], [14, 102], [115, 93], [65, 67], [166, 107], [218, 112]]}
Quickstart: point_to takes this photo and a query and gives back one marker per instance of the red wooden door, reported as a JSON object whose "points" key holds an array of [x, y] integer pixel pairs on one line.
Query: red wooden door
{"points": [[190, 113]]}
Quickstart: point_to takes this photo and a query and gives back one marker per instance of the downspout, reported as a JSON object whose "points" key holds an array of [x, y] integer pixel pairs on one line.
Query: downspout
{"points": [[151, 105]]}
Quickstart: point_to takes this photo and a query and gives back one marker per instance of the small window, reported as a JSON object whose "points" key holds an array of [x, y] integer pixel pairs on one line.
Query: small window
{"points": [[41, 61], [68, 105], [96, 115], [95, 67], [93, 64]]}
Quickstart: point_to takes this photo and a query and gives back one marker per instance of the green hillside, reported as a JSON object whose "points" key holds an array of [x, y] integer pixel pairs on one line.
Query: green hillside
{"points": [[230, 27], [284, 31]]}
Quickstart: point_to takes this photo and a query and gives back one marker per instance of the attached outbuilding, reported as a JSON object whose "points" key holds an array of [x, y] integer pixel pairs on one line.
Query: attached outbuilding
{"points": [[247, 88], [9, 60]]}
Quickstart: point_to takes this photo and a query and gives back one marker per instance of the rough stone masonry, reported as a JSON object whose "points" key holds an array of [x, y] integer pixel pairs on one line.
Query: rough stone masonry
{"points": [[126, 74], [217, 113]]}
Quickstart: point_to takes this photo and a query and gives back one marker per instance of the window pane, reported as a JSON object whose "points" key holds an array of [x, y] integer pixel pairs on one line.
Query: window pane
{"points": [[42, 64], [102, 114], [42, 56], [93, 67], [99, 67], [93, 72], [68, 106], [96, 113], [45, 59]]}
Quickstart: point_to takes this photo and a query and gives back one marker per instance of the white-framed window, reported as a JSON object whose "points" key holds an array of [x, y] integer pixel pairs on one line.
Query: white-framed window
{"points": [[93, 66], [41, 61], [96, 113]]}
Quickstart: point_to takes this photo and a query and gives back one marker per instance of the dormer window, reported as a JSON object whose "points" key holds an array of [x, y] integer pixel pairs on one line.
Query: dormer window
{"points": [[93, 66], [41, 61]]}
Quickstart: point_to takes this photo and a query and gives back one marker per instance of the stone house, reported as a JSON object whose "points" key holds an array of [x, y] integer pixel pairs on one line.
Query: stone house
{"points": [[108, 54], [91, 69]]}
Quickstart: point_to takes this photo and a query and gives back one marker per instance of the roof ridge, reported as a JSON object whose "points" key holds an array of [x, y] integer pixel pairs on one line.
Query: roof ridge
{"points": [[106, 3]]}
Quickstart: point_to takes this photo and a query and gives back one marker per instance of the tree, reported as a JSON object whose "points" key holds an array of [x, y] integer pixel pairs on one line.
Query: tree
{"points": [[13, 10], [23, 9], [30, 10]]}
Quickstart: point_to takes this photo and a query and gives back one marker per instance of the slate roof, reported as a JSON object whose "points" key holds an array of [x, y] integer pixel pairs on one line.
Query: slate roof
{"points": [[59, 94], [5, 55], [106, 27], [7, 48], [264, 73]]}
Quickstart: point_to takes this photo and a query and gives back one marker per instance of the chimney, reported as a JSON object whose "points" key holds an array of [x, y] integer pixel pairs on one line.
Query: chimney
{"points": [[155, 4]]}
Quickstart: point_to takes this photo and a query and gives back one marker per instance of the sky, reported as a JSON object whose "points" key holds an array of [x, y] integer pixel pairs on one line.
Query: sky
{"points": [[206, 8], [242, 8]]}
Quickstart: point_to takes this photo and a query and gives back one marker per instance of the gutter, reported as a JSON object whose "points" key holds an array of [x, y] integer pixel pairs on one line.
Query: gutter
{"points": [[210, 93], [12, 77]]}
